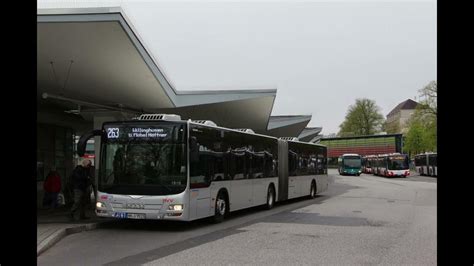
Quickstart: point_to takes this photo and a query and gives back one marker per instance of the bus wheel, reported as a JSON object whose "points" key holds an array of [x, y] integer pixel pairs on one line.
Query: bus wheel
{"points": [[221, 208], [312, 193], [270, 198]]}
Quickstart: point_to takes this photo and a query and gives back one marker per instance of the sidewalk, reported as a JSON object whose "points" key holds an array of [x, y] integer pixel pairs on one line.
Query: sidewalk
{"points": [[53, 225]]}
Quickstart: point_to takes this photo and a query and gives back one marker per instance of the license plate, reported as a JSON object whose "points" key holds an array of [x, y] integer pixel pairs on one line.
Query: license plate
{"points": [[123, 215], [136, 216], [120, 215]]}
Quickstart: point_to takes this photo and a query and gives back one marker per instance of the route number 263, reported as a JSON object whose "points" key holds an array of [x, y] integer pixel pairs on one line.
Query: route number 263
{"points": [[112, 133]]}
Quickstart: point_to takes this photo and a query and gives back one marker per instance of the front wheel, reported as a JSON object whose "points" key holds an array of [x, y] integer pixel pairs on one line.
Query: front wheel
{"points": [[270, 198], [220, 208]]}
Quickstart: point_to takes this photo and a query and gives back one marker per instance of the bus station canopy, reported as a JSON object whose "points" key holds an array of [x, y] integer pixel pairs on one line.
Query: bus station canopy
{"points": [[310, 134], [91, 60]]}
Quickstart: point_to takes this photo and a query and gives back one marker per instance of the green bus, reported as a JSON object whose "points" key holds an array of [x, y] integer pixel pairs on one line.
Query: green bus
{"points": [[350, 164]]}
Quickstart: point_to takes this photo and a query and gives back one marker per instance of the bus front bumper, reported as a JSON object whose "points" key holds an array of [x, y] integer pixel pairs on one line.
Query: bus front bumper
{"points": [[352, 172], [142, 214]]}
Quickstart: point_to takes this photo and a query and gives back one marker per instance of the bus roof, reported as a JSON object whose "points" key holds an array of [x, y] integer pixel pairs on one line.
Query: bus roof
{"points": [[210, 125], [426, 153], [351, 154]]}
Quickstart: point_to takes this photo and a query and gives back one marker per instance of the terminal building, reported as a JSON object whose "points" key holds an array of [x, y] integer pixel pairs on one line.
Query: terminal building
{"points": [[92, 67], [363, 145]]}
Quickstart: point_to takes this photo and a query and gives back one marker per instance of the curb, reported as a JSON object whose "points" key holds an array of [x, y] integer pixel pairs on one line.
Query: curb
{"points": [[60, 234]]}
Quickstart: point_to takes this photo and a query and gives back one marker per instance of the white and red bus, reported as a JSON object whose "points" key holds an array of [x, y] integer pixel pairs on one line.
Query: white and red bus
{"points": [[392, 165], [161, 167]]}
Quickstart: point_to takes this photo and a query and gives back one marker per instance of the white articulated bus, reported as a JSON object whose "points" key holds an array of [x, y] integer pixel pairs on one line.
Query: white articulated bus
{"points": [[161, 167], [427, 163]]}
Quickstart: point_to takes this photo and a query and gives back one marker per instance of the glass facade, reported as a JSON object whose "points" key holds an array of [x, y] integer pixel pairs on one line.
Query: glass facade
{"points": [[366, 145]]}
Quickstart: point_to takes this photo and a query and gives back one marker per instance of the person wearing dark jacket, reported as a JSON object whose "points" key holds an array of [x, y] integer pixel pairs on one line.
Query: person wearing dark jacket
{"points": [[52, 187], [81, 183]]}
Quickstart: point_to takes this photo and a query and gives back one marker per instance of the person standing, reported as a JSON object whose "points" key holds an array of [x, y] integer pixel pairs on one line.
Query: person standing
{"points": [[81, 182], [52, 187]]}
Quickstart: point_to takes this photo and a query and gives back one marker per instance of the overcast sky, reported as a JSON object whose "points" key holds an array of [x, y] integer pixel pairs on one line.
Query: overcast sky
{"points": [[320, 56]]}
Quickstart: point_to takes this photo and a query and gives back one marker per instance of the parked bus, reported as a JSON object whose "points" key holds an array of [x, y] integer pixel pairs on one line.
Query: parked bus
{"points": [[89, 153], [376, 164], [367, 163], [426, 164], [350, 164], [391, 165], [160, 167]]}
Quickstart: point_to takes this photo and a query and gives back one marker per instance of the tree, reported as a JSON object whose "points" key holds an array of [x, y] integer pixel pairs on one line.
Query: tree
{"points": [[431, 136], [391, 128], [422, 133], [429, 95], [362, 118], [415, 141]]}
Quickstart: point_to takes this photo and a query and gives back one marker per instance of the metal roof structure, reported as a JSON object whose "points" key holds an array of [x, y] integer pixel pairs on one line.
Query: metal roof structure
{"points": [[92, 60], [310, 134], [287, 125]]}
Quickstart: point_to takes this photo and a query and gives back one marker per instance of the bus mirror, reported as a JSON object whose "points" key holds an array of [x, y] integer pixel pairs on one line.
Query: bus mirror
{"points": [[193, 150], [81, 144]]}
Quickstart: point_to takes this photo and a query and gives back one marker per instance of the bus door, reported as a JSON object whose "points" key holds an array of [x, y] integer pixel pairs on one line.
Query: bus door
{"points": [[432, 166], [419, 164], [283, 192], [292, 172], [241, 186], [259, 187], [200, 197], [200, 191], [425, 165]]}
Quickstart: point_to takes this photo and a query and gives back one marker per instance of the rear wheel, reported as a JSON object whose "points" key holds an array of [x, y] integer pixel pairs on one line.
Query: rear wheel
{"points": [[220, 208], [270, 198], [312, 192]]}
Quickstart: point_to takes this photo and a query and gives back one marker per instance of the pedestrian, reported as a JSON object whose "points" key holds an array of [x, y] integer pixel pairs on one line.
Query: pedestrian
{"points": [[81, 182], [52, 187]]}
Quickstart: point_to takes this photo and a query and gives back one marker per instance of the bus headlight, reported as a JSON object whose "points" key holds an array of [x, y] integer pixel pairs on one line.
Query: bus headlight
{"points": [[100, 205], [175, 207]]}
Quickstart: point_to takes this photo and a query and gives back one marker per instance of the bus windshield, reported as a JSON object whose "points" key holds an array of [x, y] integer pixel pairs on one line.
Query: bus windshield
{"points": [[352, 161], [398, 163], [144, 166]]}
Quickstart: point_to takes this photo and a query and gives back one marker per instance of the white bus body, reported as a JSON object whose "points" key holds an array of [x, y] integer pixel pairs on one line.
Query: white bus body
{"points": [[427, 164], [217, 181]]}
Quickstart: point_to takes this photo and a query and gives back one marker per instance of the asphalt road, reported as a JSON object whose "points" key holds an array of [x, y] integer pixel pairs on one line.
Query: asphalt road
{"points": [[363, 219]]}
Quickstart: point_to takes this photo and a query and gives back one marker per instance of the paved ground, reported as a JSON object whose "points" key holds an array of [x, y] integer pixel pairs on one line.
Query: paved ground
{"points": [[359, 220], [54, 225]]}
